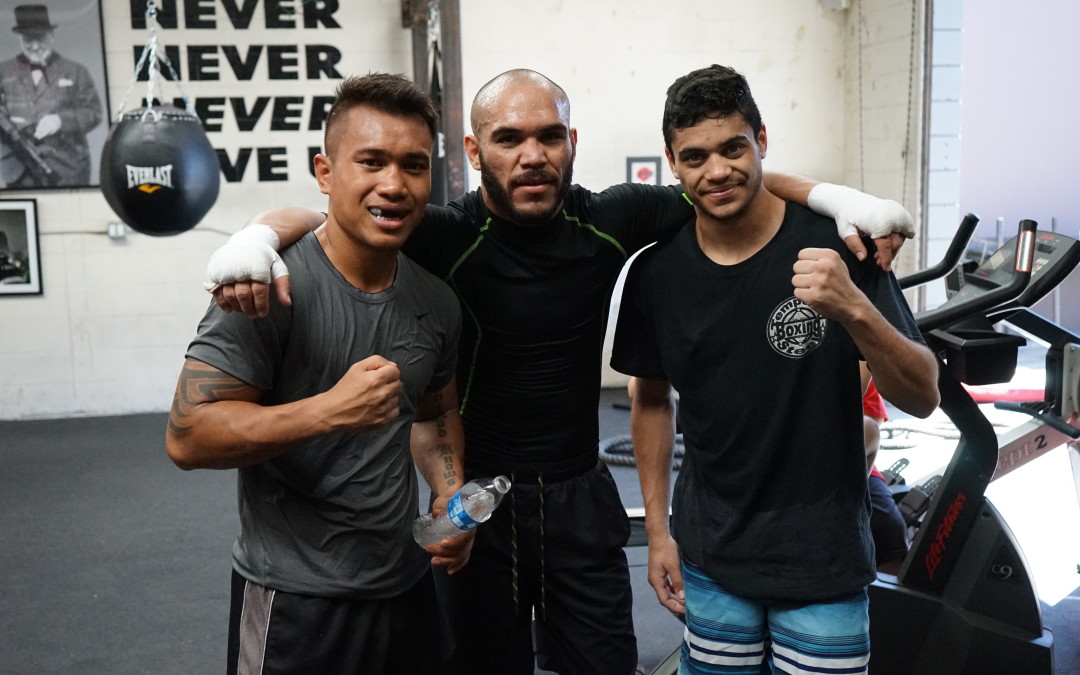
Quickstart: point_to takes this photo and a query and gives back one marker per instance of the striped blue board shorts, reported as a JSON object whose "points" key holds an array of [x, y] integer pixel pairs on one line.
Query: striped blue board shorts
{"points": [[729, 635]]}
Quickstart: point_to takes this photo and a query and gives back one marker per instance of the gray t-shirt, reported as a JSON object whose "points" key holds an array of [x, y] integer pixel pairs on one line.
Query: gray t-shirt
{"points": [[332, 517]]}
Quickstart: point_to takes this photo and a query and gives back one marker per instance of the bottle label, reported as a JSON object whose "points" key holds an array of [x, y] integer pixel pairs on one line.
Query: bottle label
{"points": [[455, 509]]}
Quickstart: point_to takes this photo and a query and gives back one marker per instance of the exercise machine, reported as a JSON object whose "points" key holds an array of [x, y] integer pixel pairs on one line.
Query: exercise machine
{"points": [[964, 600]]}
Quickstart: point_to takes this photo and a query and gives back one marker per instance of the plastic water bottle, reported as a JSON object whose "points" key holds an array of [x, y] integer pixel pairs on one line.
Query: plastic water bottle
{"points": [[471, 505]]}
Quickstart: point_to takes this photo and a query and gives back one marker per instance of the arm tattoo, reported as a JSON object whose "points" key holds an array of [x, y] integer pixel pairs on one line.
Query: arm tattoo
{"points": [[445, 452], [197, 387]]}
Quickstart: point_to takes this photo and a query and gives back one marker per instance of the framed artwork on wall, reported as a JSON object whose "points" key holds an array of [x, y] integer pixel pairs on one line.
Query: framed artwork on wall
{"points": [[20, 263], [54, 114], [643, 170]]}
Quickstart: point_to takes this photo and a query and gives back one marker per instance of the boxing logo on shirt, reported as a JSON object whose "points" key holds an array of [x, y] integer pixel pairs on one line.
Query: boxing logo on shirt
{"points": [[795, 329]]}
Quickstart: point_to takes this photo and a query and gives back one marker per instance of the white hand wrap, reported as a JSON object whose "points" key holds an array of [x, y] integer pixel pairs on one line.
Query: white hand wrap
{"points": [[856, 211], [249, 255]]}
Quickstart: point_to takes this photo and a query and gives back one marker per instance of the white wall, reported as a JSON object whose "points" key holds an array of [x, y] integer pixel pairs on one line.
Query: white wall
{"points": [[884, 92], [109, 332]]}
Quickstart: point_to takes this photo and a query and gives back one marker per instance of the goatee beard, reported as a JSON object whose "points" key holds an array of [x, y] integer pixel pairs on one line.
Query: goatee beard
{"points": [[500, 196]]}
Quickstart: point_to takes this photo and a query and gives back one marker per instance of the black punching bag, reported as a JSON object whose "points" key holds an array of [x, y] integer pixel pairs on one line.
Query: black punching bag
{"points": [[159, 172]]}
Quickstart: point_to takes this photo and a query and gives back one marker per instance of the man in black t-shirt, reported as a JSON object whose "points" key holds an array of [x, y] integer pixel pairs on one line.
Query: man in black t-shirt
{"points": [[533, 260], [758, 318]]}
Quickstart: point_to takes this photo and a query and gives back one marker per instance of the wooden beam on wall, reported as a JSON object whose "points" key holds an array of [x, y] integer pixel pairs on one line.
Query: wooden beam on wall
{"points": [[452, 98], [414, 15]]}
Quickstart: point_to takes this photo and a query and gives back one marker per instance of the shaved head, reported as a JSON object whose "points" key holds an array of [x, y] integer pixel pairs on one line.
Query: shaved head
{"points": [[487, 100], [522, 145]]}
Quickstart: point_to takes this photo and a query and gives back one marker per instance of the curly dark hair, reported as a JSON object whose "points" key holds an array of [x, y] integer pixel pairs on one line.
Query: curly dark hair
{"points": [[714, 92]]}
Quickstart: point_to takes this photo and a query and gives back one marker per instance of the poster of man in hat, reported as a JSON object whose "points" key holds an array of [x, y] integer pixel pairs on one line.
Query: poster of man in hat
{"points": [[51, 112]]}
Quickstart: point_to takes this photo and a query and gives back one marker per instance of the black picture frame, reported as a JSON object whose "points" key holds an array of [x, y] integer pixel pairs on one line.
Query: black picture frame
{"points": [[645, 170], [20, 252], [70, 157]]}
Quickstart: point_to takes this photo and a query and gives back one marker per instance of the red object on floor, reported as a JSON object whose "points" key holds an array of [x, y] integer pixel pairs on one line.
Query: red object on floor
{"points": [[988, 393]]}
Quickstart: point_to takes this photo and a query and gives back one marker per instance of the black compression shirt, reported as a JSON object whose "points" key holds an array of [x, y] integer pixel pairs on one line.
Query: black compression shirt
{"points": [[534, 307]]}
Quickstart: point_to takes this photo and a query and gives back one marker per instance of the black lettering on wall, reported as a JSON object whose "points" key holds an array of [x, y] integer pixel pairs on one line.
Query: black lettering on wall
{"points": [[215, 62], [199, 14], [233, 173], [285, 109], [320, 108], [322, 59], [320, 11], [278, 14], [172, 52], [271, 159], [279, 58], [202, 63], [243, 68], [166, 13], [205, 111], [240, 15], [246, 120]]}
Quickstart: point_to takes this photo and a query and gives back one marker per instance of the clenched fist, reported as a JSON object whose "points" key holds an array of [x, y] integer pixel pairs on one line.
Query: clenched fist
{"points": [[366, 396], [822, 281]]}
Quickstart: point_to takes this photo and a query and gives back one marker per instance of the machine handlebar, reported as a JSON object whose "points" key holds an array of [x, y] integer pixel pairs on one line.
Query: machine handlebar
{"points": [[958, 309], [956, 250]]}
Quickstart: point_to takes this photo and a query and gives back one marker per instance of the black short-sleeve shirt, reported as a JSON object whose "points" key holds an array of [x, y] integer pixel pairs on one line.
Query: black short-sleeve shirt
{"points": [[771, 501]]}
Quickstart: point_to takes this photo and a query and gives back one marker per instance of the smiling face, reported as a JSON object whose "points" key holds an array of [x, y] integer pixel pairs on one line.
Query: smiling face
{"points": [[718, 163], [377, 174], [524, 148]]}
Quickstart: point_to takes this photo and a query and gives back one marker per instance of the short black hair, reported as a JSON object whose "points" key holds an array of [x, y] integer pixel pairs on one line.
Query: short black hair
{"points": [[714, 92], [391, 94]]}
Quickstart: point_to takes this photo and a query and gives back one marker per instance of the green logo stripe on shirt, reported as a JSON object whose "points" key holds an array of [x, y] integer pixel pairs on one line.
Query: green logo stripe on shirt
{"points": [[603, 235], [476, 322]]}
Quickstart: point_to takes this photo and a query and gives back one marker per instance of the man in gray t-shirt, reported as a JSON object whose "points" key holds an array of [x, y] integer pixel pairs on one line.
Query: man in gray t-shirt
{"points": [[315, 404]]}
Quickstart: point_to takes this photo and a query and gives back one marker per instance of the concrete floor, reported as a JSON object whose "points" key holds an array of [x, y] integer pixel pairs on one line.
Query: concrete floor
{"points": [[115, 562]]}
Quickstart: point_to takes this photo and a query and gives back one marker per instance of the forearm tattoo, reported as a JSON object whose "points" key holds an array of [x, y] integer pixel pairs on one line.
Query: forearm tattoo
{"points": [[445, 451], [444, 448]]}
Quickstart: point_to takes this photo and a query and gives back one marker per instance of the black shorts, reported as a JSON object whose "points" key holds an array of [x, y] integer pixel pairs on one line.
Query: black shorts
{"points": [[886, 524], [557, 550], [276, 632]]}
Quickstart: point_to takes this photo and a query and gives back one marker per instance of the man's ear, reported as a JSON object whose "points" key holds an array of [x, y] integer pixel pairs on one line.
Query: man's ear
{"points": [[762, 141], [323, 169], [472, 151]]}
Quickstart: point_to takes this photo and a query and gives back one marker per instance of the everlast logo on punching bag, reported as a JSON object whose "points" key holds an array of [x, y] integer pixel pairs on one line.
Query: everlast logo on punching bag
{"points": [[149, 179]]}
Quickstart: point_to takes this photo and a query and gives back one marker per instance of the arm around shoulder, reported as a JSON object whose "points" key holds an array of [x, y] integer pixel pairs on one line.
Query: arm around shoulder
{"points": [[240, 272], [855, 213], [289, 223], [790, 186]]}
